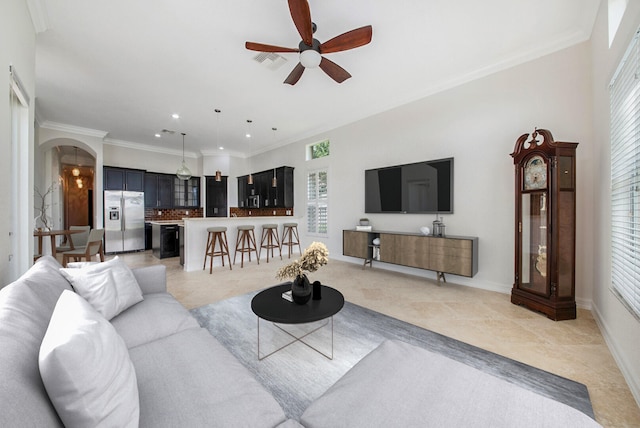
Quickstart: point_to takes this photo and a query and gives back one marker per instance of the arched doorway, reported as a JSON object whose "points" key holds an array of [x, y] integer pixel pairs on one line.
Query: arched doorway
{"points": [[77, 171]]}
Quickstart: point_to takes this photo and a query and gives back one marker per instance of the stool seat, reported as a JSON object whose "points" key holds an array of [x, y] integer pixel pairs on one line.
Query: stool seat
{"points": [[269, 239], [216, 234], [246, 243], [290, 237]]}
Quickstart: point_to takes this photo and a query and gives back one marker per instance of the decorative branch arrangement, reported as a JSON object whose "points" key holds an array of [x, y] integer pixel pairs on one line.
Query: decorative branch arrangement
{"points": [[42, 209]]}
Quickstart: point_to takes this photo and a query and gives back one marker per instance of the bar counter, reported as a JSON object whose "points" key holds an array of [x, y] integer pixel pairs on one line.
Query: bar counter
{"points": [[195, 230]]}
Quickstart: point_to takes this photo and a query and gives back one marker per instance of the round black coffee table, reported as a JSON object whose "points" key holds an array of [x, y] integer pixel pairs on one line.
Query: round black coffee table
{"points": [[269, 305]]}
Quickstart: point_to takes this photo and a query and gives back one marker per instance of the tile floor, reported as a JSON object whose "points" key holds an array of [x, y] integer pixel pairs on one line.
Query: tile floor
{"points": [[574, 349]]}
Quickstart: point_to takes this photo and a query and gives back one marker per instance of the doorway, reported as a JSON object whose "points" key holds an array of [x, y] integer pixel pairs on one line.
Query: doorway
{"points": [[78, 170]]}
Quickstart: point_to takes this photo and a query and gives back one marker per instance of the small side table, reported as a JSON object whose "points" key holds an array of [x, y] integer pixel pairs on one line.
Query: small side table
{"points": [[269, 305]]}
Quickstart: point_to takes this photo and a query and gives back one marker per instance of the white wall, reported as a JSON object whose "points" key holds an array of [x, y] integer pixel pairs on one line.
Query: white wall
{"points": [[17, 48], [620, 328], [477, 124], [127, 157]]}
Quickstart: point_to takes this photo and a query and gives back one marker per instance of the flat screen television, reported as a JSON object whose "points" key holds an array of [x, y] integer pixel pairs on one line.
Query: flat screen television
{"points": [[421, 187]]}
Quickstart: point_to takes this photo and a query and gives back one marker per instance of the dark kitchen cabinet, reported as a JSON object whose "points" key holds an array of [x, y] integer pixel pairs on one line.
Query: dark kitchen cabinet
{"points": [[243, 191], [165, 242], [123, 179], [148, 236], [216, 200], [280, 196], [186, 193], [158, 190]]}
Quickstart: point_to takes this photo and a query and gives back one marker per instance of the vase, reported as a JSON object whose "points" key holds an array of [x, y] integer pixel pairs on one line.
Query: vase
{"points": [[301, 289]]}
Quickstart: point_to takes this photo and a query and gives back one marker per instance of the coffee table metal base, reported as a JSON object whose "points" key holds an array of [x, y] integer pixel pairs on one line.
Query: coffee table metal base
{"points": [[298, 339]]}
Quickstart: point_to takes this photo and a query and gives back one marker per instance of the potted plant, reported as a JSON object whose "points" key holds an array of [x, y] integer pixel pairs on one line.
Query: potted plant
{"points": [[313, 257]]}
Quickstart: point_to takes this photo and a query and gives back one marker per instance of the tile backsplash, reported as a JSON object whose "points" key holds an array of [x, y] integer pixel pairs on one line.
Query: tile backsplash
{"points": [[259, 212], [155, 214]]}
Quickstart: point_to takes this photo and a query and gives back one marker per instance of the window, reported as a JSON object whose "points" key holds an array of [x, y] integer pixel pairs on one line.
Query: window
{"points": [[615, 13], [317, 202], [318, 150], [625, 179]]}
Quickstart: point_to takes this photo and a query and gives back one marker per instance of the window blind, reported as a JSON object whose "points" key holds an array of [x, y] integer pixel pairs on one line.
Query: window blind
{"points": [[625, 178], [317, 202]]}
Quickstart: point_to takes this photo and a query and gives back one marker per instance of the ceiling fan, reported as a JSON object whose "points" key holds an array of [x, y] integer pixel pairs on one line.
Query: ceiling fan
{"points": [[311, 50]]}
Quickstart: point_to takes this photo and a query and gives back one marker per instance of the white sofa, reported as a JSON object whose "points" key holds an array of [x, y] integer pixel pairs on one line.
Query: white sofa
{"points": [[186, 378]]}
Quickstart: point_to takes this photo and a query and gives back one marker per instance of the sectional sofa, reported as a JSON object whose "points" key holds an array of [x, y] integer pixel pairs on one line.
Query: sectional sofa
{"points": [[124, 352]]}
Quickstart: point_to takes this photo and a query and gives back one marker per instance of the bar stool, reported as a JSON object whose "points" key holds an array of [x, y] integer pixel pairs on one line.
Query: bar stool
{"points": [[290, 237], [216, 234], [245, 243], [270, 235]]}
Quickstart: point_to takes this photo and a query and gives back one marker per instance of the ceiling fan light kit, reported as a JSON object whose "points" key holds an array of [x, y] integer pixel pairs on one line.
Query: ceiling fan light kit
{"points": [[311, 50], [310, 58]]}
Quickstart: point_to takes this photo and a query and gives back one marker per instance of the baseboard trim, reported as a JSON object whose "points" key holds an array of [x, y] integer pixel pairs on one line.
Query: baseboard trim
{"points": [[618, 356]]}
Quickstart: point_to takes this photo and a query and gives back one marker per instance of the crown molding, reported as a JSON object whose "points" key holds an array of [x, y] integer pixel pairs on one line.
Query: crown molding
{"points": [[149, 148], [39, 15], [223, 153], [63, 127]]}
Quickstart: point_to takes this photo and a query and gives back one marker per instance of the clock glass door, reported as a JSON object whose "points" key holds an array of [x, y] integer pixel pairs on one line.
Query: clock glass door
{"points": [[534, 263]]}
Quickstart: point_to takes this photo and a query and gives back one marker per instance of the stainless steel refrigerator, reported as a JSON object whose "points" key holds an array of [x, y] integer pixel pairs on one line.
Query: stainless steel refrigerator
{"points": [[123, 221]]}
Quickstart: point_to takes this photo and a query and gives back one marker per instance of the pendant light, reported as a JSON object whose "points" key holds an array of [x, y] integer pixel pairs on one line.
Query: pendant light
{"points": [[248, 135], [76, 171], [218, 111], [274, 180], [183, 172]]}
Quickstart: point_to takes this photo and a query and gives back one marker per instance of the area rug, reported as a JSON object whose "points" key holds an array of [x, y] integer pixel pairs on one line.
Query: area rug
{"points": [[297, 374]]}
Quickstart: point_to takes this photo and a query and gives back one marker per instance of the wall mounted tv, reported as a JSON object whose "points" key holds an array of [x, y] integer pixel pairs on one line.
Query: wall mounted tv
{"points": [[421, 187]]}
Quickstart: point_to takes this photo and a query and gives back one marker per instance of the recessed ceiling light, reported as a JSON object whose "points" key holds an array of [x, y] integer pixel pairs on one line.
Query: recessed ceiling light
{"points": [[157, 135], [175, 116], [220, 148]]}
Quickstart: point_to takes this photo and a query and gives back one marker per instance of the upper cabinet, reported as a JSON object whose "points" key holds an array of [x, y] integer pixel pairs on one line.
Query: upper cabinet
{"points": [[123, 179], [280, 196], [168, 191], [186, 193], [158, 190], [216, 201]]}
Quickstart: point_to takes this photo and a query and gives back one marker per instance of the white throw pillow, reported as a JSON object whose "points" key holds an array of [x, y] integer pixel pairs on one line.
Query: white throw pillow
{"points": [[110, 287], [86, 369]]}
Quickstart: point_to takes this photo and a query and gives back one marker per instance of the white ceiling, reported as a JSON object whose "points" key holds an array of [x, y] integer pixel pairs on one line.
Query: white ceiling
{"points": [[123, 67]]}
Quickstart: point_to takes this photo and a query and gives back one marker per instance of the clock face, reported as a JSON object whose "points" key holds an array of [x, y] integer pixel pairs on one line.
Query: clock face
{"points": [[535, 174]]}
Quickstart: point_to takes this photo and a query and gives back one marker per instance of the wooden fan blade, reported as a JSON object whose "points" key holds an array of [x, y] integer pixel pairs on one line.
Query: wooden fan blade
{"points": [[349, 40], [267, 48], [301, 16], [334, 71], [295, 75]]}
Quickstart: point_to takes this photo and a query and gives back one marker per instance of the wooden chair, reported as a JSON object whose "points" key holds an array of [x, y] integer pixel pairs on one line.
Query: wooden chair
{"points": [[93, 248], [79, 239]]}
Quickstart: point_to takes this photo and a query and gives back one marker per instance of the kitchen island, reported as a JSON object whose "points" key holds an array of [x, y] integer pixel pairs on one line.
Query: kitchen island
{"points": [[195, 239]]}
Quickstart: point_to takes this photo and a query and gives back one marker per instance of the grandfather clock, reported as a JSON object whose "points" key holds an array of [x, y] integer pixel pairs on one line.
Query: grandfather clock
{"points": [[545, 231]]}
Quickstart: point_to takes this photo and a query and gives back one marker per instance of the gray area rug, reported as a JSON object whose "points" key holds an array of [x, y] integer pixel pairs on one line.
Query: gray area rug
{"points": [[297, 375]]}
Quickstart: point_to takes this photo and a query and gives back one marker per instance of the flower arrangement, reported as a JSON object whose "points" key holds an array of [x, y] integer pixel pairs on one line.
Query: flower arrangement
{"points": [[312, 258]]}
